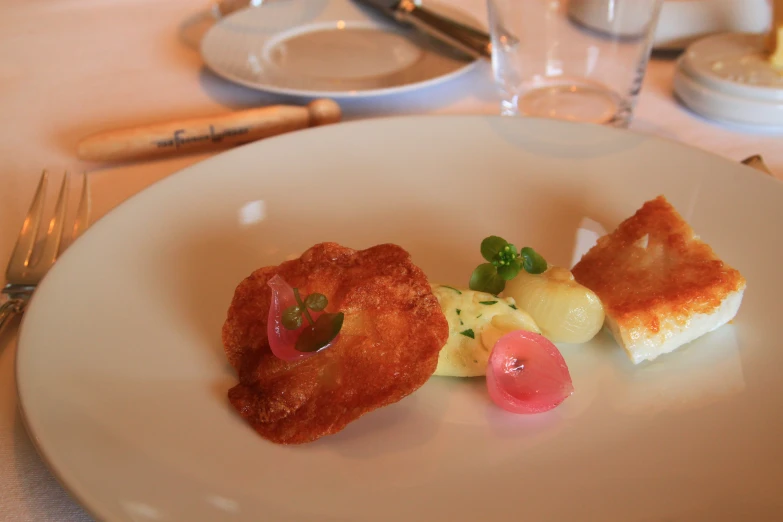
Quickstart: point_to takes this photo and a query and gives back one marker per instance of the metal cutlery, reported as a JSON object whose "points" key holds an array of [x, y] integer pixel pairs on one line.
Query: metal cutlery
{"points": [[757, 162], [472, 41], [221, 8], [30, 261]]}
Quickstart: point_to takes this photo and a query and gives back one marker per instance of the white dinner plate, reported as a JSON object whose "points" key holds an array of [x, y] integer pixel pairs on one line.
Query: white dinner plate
{"points": [[122, 377], [332, 48]]}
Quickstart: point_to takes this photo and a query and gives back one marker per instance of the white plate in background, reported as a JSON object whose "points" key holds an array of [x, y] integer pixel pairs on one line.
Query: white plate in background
{"points": [[684, 21], [329, 48], [680, 22]]}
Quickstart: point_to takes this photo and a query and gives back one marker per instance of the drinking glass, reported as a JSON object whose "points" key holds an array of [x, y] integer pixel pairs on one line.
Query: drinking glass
{"points": [[579, 60]]}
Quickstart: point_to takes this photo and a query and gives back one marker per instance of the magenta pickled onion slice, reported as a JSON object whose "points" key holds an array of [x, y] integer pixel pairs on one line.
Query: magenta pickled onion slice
{"points": [[527, 374], [282, 341]]}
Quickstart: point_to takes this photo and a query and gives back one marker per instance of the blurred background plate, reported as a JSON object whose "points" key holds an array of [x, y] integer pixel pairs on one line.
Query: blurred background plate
{"points": [[684, 21], [329, 48]]}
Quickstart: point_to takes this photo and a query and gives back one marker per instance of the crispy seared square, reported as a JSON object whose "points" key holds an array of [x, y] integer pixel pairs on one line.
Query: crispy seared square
{"points": [[661, 286]]}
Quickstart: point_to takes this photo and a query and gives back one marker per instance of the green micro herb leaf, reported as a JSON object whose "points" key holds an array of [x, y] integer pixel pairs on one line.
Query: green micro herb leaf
{"points": [[533, 262], [504, 264], [459, 311], [317, 333], [321, 333], [468, 333], [510, 270], [302, 307], [316, 302], [513, 306], [452, 288], [292, 318], [485, 278], [487, 302], [491, 246]]}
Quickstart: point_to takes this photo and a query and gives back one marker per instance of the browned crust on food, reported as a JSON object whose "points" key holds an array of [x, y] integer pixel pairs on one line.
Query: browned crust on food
{"points": [[388, 348], [676, 276]]}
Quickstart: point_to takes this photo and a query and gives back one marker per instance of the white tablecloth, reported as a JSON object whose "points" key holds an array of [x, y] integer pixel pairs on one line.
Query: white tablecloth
{"points": [[72, 67]]}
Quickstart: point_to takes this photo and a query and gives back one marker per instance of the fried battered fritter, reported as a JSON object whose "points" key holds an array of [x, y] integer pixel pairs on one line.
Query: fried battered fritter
{"points": [[388, 347]]}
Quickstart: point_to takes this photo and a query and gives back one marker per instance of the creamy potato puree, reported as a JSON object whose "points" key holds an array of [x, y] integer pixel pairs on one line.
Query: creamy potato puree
{"points": [[476, 321]]}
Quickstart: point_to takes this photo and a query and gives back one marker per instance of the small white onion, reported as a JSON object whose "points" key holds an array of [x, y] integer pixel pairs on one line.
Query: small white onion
{"points": [[564, 310]]}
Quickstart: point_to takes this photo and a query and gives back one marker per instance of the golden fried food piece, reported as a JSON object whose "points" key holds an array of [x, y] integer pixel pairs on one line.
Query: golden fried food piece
{"points": [[661, 286], [388, 347]]}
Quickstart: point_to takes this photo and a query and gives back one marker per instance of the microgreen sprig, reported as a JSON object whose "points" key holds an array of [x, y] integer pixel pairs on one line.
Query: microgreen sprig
{"points": [[504, 263], [318, 333]]}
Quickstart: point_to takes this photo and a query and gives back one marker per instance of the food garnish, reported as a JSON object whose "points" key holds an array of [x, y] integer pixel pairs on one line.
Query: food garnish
{"points": [[504, 263], [527, 374], [321, 329], [299, 327]]}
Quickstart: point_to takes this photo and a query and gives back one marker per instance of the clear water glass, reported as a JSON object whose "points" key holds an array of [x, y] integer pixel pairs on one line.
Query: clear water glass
{"points": [[579, 60]]}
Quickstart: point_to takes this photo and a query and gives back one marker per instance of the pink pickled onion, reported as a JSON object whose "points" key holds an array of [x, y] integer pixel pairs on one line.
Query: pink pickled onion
{"points": [[281, 340], [527, 374]]}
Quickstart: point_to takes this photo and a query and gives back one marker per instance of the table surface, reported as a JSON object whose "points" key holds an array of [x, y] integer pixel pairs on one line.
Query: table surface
{"points": [[73, 67]]}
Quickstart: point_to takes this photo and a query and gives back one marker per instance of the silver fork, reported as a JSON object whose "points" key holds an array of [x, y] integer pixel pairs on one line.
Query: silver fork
{"points": [[28, 265]]}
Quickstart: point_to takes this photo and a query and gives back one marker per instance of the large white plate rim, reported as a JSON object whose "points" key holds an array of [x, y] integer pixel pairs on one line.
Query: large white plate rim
{"points": [[175, 179]]}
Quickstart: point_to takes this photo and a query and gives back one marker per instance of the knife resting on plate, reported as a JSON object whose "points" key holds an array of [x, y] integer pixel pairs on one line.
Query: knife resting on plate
{"points": [[472, 41]]}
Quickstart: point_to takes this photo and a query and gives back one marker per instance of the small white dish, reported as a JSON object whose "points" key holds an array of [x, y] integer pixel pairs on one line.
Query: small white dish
{"points": [[329, 48], [728, 78], [122, 377]]}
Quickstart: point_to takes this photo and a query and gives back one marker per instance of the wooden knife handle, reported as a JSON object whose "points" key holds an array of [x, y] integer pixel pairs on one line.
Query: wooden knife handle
{"points": [[206, 133]]}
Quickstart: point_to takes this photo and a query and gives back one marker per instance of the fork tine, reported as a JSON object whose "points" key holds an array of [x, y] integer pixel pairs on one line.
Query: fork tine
{"points": [[82, 220], [20, 258], [54, 232]]}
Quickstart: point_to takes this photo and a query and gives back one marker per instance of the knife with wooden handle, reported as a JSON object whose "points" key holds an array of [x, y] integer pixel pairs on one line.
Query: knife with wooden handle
{"points": [[205, 133]]}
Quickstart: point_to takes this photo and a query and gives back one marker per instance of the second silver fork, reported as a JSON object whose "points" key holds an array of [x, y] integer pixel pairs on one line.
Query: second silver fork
{"points": [[29, 264]]}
